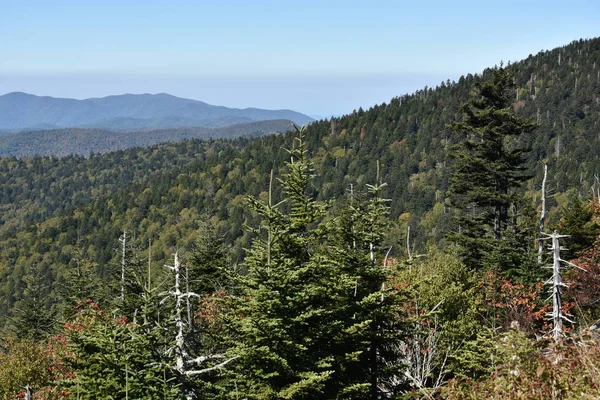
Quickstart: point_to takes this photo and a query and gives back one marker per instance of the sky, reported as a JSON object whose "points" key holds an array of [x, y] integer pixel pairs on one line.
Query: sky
{"points": [[318, 57]]}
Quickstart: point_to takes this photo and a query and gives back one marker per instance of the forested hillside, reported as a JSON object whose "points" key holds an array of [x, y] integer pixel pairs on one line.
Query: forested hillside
{"points": [[61, 213], [407, 136], [64, 142]]}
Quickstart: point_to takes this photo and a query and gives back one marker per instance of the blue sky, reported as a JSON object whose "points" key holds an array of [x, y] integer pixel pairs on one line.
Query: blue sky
{"points": [[317, 57]]}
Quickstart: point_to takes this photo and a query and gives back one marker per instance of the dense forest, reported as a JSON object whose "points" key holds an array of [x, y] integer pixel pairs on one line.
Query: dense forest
{"points": [[389, 253], [80, 141]]}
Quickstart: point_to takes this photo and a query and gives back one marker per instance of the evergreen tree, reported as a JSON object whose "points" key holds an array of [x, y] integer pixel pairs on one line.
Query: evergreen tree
{"points": [[208, 262], [285, 322], [579, 221], [312, 320], [118, 358], [372, 313], [80, 284], [488, 168], [32, 318]]}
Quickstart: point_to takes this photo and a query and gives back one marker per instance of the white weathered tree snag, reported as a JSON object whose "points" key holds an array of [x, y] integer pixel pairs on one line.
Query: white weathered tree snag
{"points": [[557, 285], [200, 360], [180, 352], [149, 281], [385, 266], [420, 353], [28, 390], [597, 184], [188, 304], [557, 316], [542, 216], [123, 240], [408, 242], [270, 231], [184, 363]]}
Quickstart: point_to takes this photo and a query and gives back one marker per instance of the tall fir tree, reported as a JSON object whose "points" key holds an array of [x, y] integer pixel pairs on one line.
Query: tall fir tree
{"points": [[312, 320], [580, 222], [284, 322], [488, 170], [33, 319], [78, 285], [208, 261], [372, 314]]}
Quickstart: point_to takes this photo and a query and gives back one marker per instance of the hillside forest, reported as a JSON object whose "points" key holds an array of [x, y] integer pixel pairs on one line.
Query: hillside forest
{"points": [[444, 245]]}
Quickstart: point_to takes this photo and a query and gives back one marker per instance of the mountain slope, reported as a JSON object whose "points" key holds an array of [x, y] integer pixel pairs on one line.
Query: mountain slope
{"points": [[20, 111], [51, 207]]}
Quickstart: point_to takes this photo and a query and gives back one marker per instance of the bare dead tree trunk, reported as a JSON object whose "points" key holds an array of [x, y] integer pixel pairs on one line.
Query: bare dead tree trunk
{"points": [[180, 352], [385, 266], [149, 263], [187, 298], [28, 392], [408, 242], [556, 289], [597, 194], [557, 316], [542, 216], [373, 350], [270, 233], [123, 241], [182, 357]]}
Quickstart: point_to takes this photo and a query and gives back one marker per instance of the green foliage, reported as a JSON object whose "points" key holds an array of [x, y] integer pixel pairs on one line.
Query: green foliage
{"points": [[209, 261], [22, 363], [79, 284], [309, 311], [487, 172], [64, 142], [285, 322], [310, 321], [116, 358], [580, 222], [33, 319], [49, 205], [441, 282], [521, 371]]}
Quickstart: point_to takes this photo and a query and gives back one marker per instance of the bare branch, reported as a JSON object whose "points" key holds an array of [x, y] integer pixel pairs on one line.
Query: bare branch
{"points": [[205, 370]]}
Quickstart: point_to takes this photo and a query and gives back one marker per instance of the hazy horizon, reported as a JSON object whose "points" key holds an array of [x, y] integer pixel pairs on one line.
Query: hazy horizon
{"points": [[318, 58]]}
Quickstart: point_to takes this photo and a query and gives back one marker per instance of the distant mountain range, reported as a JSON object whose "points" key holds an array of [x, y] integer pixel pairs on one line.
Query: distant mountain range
{"points": [[21, 111]]}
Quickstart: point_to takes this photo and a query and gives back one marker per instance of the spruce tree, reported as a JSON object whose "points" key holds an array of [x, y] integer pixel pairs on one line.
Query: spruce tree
{"points": [[33, 319], [117, 357], [579, 222], [373, 313], [79, 284], [312, 320], [285, 321], [208, 261], [488, 170]]}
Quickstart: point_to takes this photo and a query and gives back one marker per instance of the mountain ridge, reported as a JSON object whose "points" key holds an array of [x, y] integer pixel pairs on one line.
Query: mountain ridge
{"points": [[23, 111]]}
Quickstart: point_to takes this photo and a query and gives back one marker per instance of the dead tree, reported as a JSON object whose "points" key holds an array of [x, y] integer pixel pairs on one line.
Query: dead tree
{"points": [[408, 242], [186, 364], [420, 353], [123, 240], [557, 315], [28, 391], [542, 216]]}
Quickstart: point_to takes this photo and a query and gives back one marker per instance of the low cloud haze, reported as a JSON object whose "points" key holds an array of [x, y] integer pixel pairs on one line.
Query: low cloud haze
{"points": [[322, 96]]}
